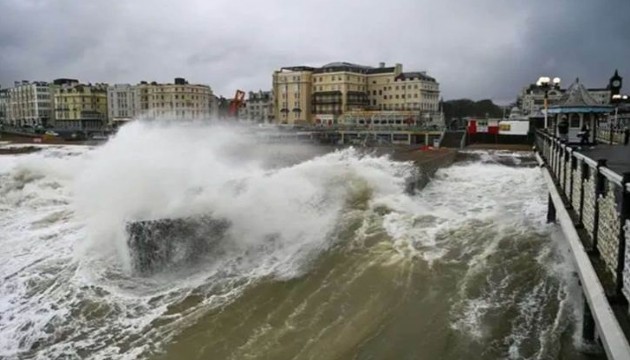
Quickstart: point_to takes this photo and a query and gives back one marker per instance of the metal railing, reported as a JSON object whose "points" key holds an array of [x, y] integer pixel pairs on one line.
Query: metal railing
{"points": [[615, 136], [600, 200]]}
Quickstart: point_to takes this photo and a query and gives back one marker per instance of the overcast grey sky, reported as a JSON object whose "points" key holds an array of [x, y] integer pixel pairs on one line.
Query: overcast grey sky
{"points": [[476, 49]]}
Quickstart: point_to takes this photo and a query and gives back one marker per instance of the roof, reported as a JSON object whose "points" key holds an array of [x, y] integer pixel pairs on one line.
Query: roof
{"points": [[578, 99], [343, 63], [342, 66], [416, 74], [298, 68]]}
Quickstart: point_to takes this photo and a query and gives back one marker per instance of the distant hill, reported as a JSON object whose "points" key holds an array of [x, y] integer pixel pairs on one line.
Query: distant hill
{"points": [[460, 108]]}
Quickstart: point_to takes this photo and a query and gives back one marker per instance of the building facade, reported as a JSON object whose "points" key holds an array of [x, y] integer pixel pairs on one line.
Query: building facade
{"points": [[4, 96], [80, 107], [179, 100], [122, 103], [307, 94], [259, 106], [29, 104], [531, 98]]}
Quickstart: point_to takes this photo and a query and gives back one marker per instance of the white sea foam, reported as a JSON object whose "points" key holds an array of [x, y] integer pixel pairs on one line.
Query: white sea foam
{"points": [[67, 281]]}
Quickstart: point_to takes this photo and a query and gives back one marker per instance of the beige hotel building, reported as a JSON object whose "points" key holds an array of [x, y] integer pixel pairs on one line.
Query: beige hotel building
{"points": [[342, 92], [179, 100]]}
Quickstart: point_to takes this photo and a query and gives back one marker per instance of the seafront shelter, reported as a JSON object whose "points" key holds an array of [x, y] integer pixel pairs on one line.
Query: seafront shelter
{"points": [[579, 108]]}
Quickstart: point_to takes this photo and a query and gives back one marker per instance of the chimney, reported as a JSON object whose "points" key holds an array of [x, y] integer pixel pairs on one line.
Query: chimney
{"points": [[381, 65]]}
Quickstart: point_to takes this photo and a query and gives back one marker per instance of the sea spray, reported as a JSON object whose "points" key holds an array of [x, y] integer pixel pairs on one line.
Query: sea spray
{"points": [[326, 256]]}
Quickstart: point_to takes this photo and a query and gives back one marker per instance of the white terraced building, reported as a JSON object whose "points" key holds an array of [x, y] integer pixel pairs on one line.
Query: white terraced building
{"points": [[122, 103], [29, 104]]}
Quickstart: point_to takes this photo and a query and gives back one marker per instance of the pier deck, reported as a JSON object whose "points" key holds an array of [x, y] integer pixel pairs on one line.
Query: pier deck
{"points": [[617, 156]]}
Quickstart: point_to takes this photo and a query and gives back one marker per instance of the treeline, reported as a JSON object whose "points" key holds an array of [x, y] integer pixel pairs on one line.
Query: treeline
{"points": [[460, 108]]}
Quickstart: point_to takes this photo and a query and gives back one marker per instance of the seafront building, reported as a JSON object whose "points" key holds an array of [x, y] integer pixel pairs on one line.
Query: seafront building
{"points": [[179, 100], [122, 103], [531, 98], [79, 106], [4, 95], [28, 104], [341, 92], [259, 106]]}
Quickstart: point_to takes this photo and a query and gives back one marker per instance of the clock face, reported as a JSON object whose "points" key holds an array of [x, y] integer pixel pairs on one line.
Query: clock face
{"points": [[616, 83]]}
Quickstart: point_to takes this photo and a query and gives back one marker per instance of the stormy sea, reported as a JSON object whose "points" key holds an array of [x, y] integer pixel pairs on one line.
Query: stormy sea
{"points": [[322, 253]]}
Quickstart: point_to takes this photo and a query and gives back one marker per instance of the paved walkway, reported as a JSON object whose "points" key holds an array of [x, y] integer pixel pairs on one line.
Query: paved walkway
{"points": [[618, 156]]}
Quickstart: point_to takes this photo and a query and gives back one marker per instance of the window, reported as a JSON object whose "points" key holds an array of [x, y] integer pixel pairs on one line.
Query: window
{"points": [[396, 96], [396, 87], [373, 92], [575, 121], [380, 92]]}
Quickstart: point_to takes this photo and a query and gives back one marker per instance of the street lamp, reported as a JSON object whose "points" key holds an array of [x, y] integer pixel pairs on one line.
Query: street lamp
{"points": [[545, 83]]}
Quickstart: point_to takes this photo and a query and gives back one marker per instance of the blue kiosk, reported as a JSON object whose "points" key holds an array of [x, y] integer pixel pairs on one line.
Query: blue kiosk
{"points": [[579, 108]]}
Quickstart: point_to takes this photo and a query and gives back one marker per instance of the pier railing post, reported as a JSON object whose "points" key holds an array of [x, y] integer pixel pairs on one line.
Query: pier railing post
{"points": [[567, 169], [561, 172], [600, 186], [611, 135], [557, 160], [588, 323], [551, 210], [583, 173], [552, 157], [624, 215], [556, 156], [573, 166]]}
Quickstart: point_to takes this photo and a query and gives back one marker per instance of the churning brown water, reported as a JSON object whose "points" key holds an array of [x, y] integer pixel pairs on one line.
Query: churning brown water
{"points": [[328, 256]]}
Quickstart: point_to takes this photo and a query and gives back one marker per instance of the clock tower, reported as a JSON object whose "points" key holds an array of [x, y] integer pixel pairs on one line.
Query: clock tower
{"points": [[615, 84]]}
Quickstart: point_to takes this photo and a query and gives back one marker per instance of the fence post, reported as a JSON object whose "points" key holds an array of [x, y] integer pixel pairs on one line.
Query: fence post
{"points": [[551, 210], [600, 182], [611, 135], [573, 166], [588, 323], [584, 171], [566, 156], [624, 215]]}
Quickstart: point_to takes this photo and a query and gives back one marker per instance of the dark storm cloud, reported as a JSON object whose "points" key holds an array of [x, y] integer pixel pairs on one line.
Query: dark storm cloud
{"points": [[480, 49], [570, 39]]}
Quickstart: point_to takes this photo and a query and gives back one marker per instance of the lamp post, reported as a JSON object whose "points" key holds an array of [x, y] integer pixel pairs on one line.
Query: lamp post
{"points": [[545, 83]]}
